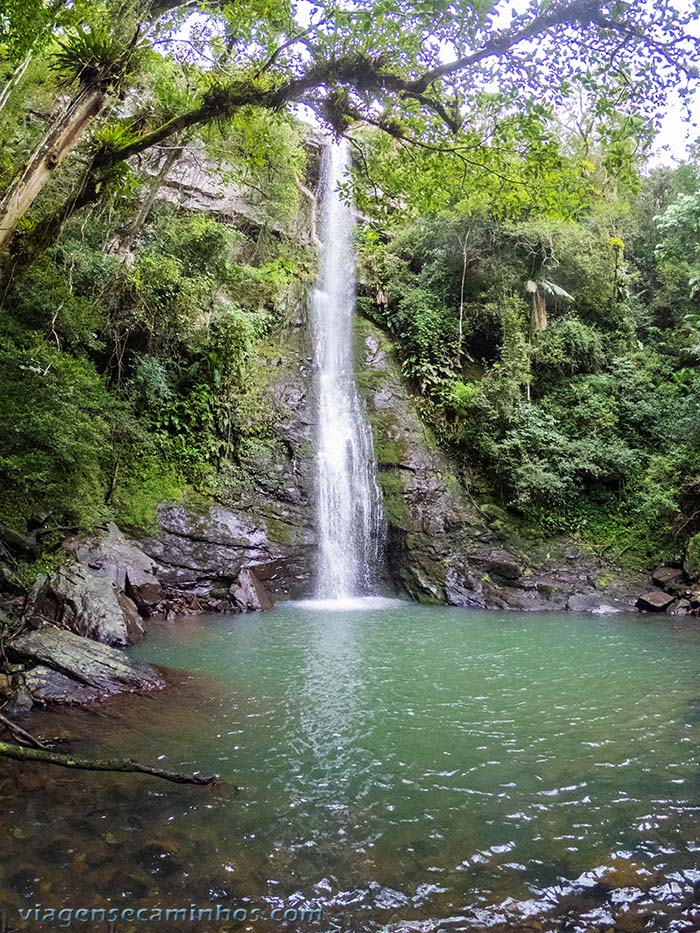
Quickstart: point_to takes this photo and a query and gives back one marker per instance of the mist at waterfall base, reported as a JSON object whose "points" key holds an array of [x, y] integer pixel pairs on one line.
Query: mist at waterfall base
{"points": [[348, 498]]}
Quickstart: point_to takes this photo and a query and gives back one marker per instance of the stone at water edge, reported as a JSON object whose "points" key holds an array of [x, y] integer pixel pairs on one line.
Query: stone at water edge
{"points": [[91, 605], [248, 593], [46, 685], [666, 577], [679, 607], [655, 601], [95, 670], [589, 602], [142, 587]]}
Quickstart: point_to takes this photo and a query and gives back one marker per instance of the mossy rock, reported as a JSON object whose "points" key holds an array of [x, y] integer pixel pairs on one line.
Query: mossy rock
{"points": [[396, 509], [278, 531], [388, 448]]}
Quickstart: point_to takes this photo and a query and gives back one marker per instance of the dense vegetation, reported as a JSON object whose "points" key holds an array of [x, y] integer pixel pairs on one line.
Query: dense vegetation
{"points": [[541, 286], [557, 355]]}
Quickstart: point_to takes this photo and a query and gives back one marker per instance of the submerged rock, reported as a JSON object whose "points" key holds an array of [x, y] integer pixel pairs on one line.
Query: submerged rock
{"points": [[69, 668]]}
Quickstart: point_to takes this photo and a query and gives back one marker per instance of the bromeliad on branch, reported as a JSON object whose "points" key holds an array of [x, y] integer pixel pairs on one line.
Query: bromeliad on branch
{"points": [[383, 64]]}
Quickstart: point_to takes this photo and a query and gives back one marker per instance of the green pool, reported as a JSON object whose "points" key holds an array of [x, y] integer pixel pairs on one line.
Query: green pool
{"points": [[402, 768]]}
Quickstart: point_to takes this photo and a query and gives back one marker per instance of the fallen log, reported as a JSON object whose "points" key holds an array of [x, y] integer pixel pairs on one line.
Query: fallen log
{"points": [[122, 765]]}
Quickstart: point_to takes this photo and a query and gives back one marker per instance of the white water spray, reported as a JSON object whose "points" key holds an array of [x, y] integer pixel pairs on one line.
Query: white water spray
{"points": [[348, 496]]}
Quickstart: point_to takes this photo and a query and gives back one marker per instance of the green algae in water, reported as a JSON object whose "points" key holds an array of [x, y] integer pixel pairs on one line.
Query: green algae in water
{"points": [[409, 768]]}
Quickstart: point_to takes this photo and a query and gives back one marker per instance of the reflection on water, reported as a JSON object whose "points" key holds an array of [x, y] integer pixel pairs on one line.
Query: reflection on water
{"points": [[405, 768]]}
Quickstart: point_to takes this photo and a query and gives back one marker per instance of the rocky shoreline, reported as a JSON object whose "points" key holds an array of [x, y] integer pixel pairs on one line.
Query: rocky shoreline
{"points": [[255, 544], [65, 648]]}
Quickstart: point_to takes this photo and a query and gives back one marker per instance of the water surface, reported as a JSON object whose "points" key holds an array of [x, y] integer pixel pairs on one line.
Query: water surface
{"points": [[407, 769]]}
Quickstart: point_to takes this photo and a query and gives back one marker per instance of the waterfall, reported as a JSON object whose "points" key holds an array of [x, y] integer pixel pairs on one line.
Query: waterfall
{"points": [[348, 496]]}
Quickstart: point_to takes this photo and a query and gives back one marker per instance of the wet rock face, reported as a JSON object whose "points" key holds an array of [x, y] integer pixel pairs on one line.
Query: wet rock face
{"points": [[202, 550], [441, 547], [264, 516]]}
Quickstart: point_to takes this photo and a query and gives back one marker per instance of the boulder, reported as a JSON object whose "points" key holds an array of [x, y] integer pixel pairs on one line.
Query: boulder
{"points": [[91, 605], [68, 668], [679, 607], [248, 593], [668, 577], [501, 563], [142, 587], [109, 554], [654, 601]]}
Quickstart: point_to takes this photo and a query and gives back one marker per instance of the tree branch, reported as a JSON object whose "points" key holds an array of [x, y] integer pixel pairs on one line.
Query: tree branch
{"points": [[19, 734], [583, 13], [121, 765]]}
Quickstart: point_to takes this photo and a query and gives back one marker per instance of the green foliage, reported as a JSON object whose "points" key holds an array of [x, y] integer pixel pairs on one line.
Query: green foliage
{"points": [[569, 346], [147, 479], [584, 419], [92, 54], [129, 380], [53, 459]]}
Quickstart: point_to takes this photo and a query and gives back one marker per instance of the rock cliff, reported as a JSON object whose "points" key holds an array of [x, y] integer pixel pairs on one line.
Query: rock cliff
{"points": [[441, 546], [260, 517]]}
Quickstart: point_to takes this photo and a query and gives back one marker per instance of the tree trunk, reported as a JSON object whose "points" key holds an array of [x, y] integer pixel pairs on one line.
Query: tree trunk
{"points": [[56, 145], [538, 320], [15, 78], [460, 337], [121, 765], [122, 244], [313, 211]]}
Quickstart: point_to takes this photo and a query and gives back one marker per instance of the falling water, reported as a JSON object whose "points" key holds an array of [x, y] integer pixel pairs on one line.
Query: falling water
{"points": [[349, 500]]}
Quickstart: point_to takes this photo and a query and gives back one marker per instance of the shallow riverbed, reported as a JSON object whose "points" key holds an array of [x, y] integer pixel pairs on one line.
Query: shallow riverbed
{"points": [[402, 768]]}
